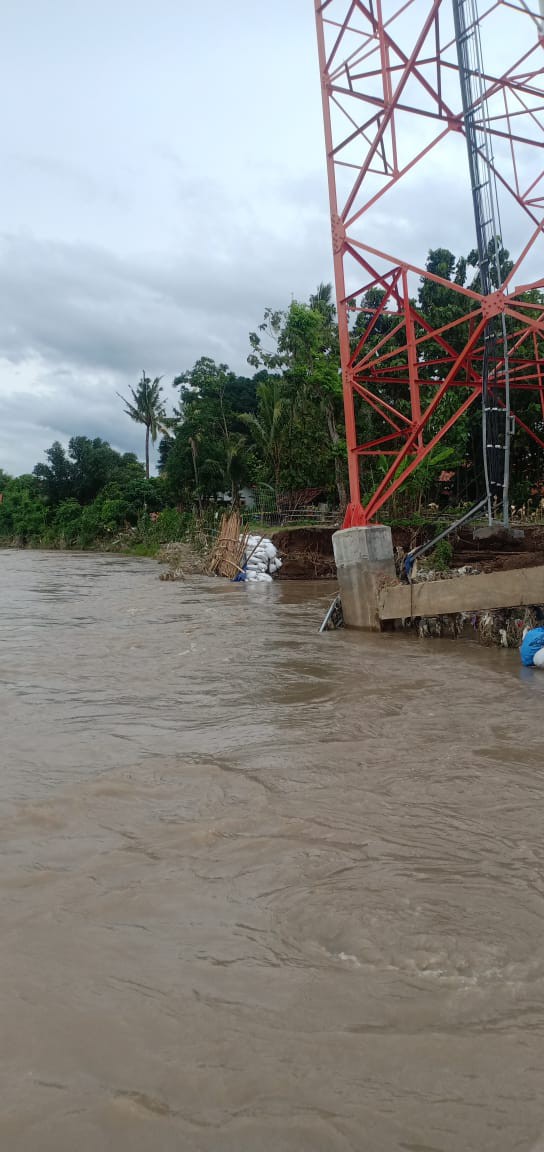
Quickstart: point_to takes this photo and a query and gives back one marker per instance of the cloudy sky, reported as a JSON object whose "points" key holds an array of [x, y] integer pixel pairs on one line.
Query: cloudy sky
{"points": [[163, 181]]}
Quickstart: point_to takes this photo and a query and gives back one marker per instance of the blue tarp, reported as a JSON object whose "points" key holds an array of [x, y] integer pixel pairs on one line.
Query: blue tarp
{"points": [[532, 644]]}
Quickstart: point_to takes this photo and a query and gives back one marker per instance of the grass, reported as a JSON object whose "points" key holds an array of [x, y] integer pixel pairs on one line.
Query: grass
{"points": [[138, 549]]}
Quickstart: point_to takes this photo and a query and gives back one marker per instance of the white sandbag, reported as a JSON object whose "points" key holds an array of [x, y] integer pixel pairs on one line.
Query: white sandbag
{"points": [[261, 558]]}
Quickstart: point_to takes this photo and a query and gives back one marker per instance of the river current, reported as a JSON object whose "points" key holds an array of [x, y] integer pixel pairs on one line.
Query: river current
{"points": [[261, 890]]}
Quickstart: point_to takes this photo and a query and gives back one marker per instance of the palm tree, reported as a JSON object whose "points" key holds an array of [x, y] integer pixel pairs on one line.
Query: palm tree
{"points": [[323, 301], [271, 426], [225, 466], [146, 407]]}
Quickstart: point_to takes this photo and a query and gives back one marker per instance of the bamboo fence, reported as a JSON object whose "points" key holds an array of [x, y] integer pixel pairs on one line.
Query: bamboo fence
{"points": [[228, 552]]}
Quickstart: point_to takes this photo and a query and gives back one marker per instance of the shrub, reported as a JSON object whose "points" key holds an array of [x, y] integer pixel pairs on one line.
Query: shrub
{"points": [[441, 557]]}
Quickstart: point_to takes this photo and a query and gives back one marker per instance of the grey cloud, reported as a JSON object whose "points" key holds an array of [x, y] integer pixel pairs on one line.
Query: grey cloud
{"points": [[79, 322], [63, 406], [93, 308], [81, 305]]}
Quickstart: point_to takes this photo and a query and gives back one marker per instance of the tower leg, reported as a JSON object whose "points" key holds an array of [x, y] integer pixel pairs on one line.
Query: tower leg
{"points": [[364, 559]]}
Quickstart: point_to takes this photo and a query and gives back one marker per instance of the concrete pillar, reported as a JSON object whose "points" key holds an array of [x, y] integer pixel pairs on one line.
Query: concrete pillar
{"points": [[364, 556]]}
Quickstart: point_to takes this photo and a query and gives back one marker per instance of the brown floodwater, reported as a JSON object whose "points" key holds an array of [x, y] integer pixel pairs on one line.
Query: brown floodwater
{"points": [[262, 890]]}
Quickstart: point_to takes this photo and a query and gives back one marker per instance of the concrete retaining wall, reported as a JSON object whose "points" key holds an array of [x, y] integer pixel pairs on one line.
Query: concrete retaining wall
{"points": [[517, 588]]}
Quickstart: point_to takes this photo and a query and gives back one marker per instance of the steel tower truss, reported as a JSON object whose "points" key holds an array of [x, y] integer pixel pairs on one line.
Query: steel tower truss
{"points": [[392, 103]]}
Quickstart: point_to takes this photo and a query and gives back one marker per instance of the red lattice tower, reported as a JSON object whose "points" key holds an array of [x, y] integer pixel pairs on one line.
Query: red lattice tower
{"points": [[391, 105]]}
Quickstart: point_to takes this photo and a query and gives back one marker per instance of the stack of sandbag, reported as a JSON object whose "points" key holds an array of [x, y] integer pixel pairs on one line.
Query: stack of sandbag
{"points": [[261, 559]]}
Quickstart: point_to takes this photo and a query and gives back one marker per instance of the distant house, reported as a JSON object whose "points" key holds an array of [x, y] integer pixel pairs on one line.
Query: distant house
{"points": [[247, 498]]}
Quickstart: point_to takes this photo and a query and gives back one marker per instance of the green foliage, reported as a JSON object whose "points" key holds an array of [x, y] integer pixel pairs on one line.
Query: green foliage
{"points": [[441, 557], [269, 428], [66, 523], [83, 496], [22, 513], [169, 525], [209, 452], [302, 344], [55, 477], [84, 470]]}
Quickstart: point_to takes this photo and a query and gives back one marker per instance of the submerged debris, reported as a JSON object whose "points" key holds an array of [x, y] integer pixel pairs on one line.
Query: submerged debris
{"points": [[182, 560], [334, 617], [505, 626], [449, 627]]}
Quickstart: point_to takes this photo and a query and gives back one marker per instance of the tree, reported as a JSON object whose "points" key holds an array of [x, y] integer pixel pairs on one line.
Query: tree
{"points": [[83, 470], [322, 301], [147, 408], [240, 396], [209, 452], [94, 464], [311, 341], [22, 511], [270, 427], [496, 255], [55, 477], [304, 346]]}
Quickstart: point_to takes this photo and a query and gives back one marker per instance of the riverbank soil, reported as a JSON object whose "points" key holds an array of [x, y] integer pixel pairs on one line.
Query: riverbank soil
{"points": [[307, 553]]}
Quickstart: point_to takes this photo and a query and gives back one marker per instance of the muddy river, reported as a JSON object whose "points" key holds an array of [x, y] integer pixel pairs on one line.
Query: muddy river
{"points": [[261, 890]]}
